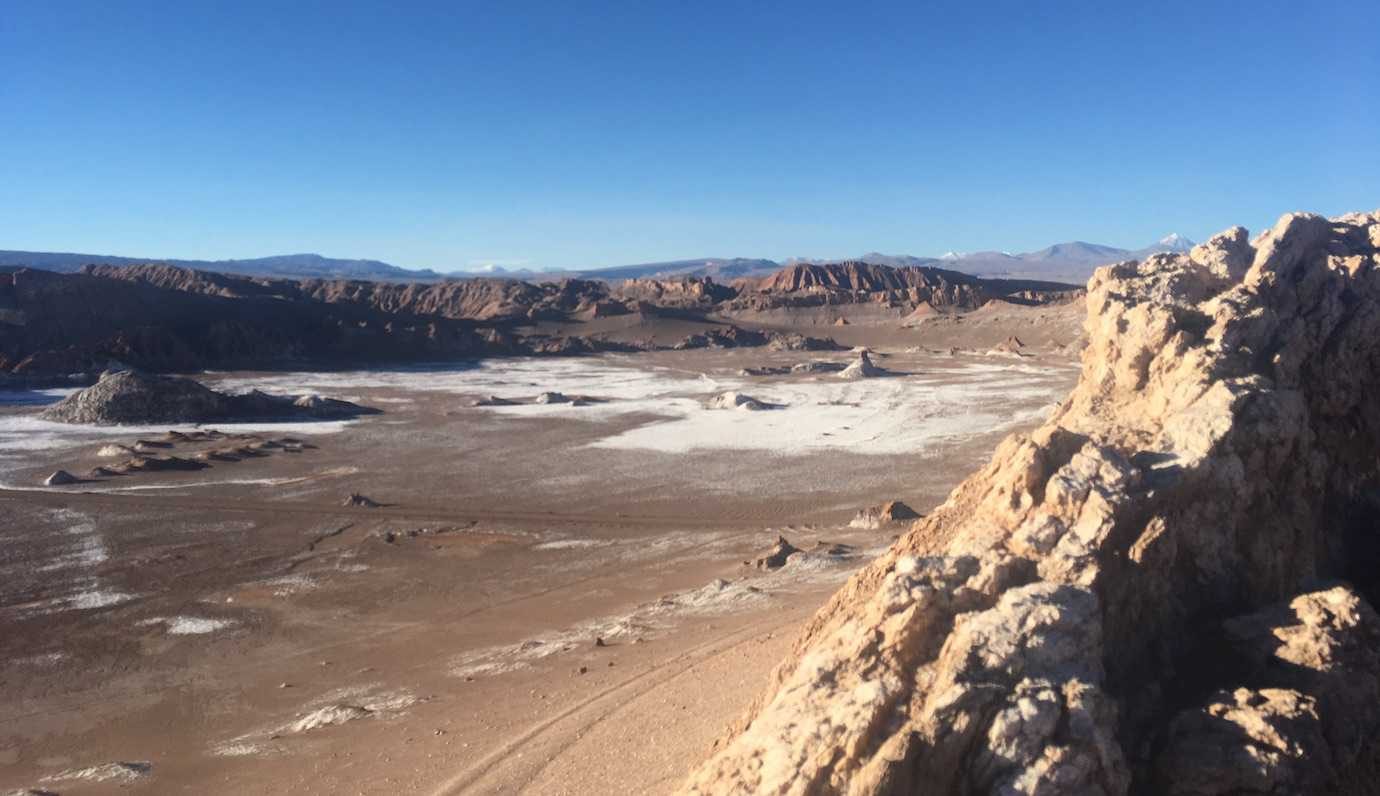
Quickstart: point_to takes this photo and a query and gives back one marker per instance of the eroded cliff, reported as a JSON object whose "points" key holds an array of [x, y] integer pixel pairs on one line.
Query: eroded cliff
{"points": [[1163, 589]]}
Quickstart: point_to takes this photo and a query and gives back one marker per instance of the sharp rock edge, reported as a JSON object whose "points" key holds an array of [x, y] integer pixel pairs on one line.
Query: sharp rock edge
{"points": [[1163, 589]]}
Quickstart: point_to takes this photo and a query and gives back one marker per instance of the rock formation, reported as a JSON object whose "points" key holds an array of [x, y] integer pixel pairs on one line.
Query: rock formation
{"points": [[134, 397], [862, 368], [777, 556], [1165, 588], [851, 282], [789, 341], [874, 517], [737, 400], [60, 478], [357, 500]]}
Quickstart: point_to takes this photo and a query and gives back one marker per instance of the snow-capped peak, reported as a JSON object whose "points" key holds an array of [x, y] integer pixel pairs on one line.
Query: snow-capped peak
{"points": [[951, 256], [1176, 242]]}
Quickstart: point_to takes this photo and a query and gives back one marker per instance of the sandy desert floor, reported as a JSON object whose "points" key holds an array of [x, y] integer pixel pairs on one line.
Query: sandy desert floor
{"points": [[238, 630]]}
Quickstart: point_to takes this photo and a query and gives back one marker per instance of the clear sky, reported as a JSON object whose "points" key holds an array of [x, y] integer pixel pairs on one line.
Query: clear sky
{"points": [[584, 134]]}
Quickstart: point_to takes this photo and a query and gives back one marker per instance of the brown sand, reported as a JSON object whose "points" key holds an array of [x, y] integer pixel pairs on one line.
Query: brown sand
{"points": [[448, 627]]}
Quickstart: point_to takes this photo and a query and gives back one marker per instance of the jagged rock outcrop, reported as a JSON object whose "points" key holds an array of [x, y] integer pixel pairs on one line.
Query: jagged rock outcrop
{"points": [[864, 277], [469, 299], [135, 397], [874, 517], [851, 282], [1126, 598], [806, 285], [685, 292], [777, 556]]}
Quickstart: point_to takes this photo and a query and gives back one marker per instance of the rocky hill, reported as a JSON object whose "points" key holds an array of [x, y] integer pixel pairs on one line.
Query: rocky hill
{"points": [[133, 397], [807, 284], [470, 299], [1167, 588], [52, 324]]}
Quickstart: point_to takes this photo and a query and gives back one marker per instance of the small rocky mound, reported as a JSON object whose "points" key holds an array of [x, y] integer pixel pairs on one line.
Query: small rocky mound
{"points": [[209, 435], [1166, 588], [737, 400], [135, 397], [874, 517], [156, 464], [791, 341], [777, 556], [131, 396], [1011, 346], [60, 478], [798, 368], [727, 337], [356, 500], [552, 398], [817, 367], [862, 368]]}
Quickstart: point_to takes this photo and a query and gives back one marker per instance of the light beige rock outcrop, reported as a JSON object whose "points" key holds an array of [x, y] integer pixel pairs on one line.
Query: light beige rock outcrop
{"points": [[1078, 616]]}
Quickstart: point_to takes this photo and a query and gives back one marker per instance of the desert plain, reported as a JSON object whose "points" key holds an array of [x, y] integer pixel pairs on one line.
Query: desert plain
{"points": [[550, 597]]}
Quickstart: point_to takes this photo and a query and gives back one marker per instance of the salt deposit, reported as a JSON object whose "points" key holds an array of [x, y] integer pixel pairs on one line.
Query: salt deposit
{"points": [[900, 415], [572, 544], [118, 772], [188, 625]]}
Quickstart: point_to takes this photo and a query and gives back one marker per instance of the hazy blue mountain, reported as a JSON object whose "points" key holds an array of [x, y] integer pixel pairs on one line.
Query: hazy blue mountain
{"points": [[285, 266], [1073, 261], [721, 269]]}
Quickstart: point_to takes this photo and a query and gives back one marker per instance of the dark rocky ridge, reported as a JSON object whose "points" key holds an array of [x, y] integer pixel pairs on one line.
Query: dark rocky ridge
{"points": [[170, 319]]}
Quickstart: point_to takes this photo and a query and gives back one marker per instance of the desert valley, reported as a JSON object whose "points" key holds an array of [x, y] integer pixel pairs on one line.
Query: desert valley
{"points": [[689, 399], [493, 536], [592, 505]]}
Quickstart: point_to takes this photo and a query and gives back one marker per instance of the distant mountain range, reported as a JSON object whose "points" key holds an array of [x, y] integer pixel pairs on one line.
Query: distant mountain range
{"points": [[1063, 262], [294, 266], [1071, 262]]}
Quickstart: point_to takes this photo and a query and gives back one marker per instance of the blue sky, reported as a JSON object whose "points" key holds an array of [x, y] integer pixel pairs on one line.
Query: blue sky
{"points": [[449, 135]]}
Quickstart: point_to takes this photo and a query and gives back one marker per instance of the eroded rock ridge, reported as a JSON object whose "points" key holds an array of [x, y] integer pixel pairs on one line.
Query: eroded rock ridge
{"points": [[1166, 588]]}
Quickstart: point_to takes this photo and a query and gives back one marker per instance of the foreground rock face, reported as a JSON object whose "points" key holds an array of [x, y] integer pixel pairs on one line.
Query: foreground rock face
{"points": [[134, 397], [1127, 598]]}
